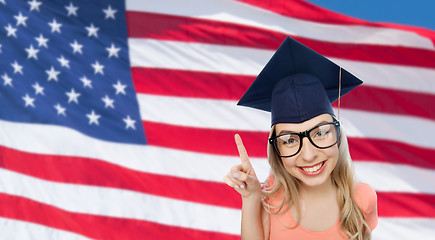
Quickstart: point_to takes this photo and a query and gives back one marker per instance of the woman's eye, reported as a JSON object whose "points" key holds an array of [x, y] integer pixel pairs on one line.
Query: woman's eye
{"points": [[290, 141], [321, 133]]}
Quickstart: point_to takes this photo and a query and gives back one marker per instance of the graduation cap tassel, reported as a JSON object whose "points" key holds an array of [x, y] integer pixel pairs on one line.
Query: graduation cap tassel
{"points": [[339, 94]]}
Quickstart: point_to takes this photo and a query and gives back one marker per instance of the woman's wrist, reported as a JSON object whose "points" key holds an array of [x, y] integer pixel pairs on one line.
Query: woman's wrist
{"points": [[252, 197]]}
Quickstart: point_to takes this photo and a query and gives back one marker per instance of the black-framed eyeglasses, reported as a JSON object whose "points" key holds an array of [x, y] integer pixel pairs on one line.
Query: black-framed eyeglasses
{"points": [[322, 136]]}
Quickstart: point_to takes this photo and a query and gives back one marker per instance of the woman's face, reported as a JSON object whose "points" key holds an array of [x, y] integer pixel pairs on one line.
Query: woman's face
{"points": [[312, 166]]}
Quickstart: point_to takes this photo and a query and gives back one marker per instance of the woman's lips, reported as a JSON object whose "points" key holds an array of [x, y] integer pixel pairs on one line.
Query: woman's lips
{"points": [[314, 169]]}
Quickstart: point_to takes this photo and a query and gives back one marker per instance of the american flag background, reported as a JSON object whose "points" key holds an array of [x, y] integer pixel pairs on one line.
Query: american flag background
{"points": [[117, 118]]}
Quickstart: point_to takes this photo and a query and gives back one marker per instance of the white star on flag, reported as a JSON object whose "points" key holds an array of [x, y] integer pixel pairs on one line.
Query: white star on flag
{"points": [[120, 88], [17, 68], [72, 10], [60, 110], [31, 52], [42, 41], [86, 82], [7, 80], [21, 20], [73, 96], [98, 68], [3, 1], [129, 123], [55, 26], [113, 51], [34, 5], [93, 118], [28, 101], [63, 61], [52, 74], [11, 31], [76, 47], [108, 102], [92, 30], [110, 13], [38, 89]]}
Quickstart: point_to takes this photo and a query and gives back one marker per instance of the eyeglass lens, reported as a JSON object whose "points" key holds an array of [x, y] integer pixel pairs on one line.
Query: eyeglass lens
{"points": [[322, 136]]}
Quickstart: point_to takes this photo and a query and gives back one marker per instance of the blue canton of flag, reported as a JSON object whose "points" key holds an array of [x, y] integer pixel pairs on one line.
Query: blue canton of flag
{"points": [[66, 63]]}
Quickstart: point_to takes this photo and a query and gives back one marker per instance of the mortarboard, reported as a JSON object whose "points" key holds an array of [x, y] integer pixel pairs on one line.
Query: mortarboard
{"points": [[298, 84]]}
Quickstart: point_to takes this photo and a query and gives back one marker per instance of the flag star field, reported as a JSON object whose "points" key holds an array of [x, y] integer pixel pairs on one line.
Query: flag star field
{"points": [[71, 59]]}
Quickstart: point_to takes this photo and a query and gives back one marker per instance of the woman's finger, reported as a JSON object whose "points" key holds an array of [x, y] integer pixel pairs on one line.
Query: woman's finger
{"points": [[234, 184], [235, 177], [246, 164]]}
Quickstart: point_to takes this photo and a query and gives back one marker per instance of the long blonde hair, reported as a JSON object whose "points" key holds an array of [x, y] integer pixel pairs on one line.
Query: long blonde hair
{"points": [[351, 218]]}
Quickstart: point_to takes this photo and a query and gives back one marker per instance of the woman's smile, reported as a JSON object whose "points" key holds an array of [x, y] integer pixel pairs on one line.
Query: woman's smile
{"points": [[314, 169]]}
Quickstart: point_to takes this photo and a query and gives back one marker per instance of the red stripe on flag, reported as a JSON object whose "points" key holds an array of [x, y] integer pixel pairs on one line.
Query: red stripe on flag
{"points": [[76, 170], [391, 204], [391, 101], [221, 142], [97, 227], [377, 150], [192, 84], [186, 29], [195, 84], [204, 140]]}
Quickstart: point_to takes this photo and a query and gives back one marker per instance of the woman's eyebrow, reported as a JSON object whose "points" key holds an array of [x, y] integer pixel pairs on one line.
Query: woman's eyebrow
{"points": [[289, 131], [286, 131]]}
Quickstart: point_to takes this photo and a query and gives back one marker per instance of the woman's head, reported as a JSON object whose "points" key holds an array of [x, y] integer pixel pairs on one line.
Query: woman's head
{"points": [[307, 150]]}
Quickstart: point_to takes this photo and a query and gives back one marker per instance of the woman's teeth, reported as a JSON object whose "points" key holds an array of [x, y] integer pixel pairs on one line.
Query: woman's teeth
{"points": [[313, 169]]}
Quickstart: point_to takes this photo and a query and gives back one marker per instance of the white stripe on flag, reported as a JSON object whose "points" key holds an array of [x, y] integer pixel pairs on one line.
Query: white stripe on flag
{"points": [[244, 14], [202, 113], [404, 228], [197, 56], [386, 177], [249, 61], [15, 229]]}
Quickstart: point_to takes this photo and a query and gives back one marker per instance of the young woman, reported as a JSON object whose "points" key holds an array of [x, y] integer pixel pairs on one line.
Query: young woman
{"points": [[311, 192]]}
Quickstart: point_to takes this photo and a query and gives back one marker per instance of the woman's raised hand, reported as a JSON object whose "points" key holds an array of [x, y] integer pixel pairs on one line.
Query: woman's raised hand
{"points": [[242, 177]]}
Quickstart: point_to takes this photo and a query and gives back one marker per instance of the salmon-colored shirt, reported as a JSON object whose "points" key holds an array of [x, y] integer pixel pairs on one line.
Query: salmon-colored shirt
{"points": [[364, 196]]}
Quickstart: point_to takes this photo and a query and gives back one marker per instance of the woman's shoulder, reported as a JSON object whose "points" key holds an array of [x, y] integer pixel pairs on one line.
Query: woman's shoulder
{"points": [[366, 199], [364, 196]]}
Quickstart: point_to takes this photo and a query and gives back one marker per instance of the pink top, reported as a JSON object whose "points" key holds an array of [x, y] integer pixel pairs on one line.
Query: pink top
{"points": [[364, 196]]}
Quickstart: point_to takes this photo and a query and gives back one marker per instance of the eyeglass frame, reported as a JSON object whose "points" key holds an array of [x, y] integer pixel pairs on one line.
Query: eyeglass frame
{"points": [[303, 134]]}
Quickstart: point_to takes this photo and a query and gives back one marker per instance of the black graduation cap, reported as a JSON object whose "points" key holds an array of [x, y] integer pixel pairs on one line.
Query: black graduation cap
{"points": [[297, 84]]}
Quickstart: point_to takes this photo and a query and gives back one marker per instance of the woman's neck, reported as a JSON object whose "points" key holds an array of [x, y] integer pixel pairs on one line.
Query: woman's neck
{"points": [[317, 191]]}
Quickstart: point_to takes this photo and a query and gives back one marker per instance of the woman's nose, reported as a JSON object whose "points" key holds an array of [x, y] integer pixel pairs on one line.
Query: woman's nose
{"points": [[308, 151]]}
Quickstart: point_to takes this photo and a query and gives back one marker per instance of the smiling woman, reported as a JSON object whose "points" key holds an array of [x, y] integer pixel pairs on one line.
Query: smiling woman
{"points": [[319, 152], [311, 192]]}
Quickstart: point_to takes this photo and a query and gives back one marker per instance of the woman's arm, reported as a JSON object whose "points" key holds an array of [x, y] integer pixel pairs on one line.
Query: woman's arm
{"points": [[252, 226], [243, 179]]}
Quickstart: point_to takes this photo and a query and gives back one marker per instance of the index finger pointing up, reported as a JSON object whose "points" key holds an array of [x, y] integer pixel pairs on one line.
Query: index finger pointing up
{"points": [[246, 164]]}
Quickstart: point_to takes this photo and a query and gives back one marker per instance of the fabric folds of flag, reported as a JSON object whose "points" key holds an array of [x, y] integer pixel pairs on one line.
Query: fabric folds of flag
{"points": [[117, 118]]}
